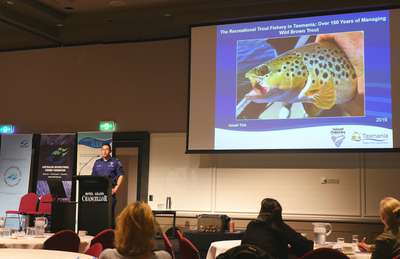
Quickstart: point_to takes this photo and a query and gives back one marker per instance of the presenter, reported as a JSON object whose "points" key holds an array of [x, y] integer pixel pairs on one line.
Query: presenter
{"points": [[110, 167]]}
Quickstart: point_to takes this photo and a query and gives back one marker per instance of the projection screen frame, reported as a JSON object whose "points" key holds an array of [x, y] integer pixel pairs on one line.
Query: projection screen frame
{"points": [[267, 18]]}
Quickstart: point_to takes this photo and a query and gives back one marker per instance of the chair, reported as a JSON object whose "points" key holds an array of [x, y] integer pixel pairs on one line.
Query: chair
{"points": [[45, 203], [27, 206], [64, 240], [245, 251], [105, 237], [187, 249], [324, 253], [95, 250], [179, 234], [168, 245], [396, 257]]}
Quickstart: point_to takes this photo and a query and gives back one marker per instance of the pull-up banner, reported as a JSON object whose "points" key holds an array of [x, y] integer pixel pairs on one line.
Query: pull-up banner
{"points": [[15, 167], [56, 160]]}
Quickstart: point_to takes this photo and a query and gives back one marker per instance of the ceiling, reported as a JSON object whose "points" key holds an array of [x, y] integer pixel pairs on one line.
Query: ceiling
{"points": [[26, 24]]}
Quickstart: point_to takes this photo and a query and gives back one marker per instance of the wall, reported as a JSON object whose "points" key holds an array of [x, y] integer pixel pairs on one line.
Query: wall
{"points": [[235, 184], [142, 86]]}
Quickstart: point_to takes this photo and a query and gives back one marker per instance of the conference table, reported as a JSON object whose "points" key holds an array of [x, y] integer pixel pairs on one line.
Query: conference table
{"points": [[32, 242], [219, 247], [40, 254]]}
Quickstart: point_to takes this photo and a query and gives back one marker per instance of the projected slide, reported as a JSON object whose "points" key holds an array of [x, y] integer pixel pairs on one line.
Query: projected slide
{"points": [[305, 83]]}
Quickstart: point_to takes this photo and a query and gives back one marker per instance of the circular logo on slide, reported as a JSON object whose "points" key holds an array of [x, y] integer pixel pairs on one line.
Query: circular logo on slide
{"points": [[12, 176]]}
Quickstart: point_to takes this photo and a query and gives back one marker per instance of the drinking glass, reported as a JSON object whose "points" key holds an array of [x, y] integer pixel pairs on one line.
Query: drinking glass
{"points": [[2, 222], [354, 242], [340, 243], [31, 231]]}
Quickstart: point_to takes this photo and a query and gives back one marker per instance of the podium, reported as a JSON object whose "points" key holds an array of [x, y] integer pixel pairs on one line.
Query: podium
{"points": [[94, 203]]}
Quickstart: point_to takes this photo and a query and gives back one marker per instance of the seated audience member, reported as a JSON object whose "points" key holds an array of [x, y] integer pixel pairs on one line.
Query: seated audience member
{"points": [[134, 235], [387, 244], [271, 234]]}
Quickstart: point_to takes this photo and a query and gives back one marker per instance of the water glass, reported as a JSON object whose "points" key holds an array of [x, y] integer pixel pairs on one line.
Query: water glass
{"points": [[30, 231], [39, 231], [5, 232], [2, 222], [354, 242], [340, 243]]}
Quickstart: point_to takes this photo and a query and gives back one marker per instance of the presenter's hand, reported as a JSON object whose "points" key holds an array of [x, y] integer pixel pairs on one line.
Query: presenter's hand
{"points": [[114, 190]]}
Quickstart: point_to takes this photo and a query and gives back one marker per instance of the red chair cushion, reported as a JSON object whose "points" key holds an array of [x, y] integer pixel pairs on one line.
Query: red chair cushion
{"points": [[45, 204], [28, 203], [65, 240], [95, 250], [105, 237], [12, 212]]}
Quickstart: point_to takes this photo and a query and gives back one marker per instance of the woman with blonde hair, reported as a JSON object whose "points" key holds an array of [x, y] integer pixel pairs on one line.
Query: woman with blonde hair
{"points": [[387, 244], [134, 235]]}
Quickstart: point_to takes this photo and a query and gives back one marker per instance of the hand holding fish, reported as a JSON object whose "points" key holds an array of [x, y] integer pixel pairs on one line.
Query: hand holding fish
{"points": [[353, 46]]}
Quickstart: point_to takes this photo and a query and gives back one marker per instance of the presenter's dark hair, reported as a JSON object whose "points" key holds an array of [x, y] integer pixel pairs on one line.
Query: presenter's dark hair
{"points": [[106, 144]]}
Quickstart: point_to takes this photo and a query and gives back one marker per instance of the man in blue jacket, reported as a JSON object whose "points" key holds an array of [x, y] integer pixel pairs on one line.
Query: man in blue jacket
{"points": [[110, 167]]}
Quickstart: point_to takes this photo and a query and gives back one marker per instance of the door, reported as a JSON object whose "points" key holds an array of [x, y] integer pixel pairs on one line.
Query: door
{"points": [[127, 193]]}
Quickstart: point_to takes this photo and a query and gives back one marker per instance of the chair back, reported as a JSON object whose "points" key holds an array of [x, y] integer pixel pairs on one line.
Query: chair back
{"points": [[245, 251], [65, 240], [28, 203], [95, 250], [324, 253], [168, 245], [179, 234], [396, 257], [105, 237], [188, 250], [45, 204]]}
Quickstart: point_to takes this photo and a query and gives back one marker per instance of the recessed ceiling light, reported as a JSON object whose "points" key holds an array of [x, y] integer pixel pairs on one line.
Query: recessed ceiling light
{"points": [[117, 3], [9, 2], [167, 15], [60, 25]]}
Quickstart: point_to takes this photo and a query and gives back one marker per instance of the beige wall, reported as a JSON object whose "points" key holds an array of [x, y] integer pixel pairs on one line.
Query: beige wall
{"points": [[142, 86]]}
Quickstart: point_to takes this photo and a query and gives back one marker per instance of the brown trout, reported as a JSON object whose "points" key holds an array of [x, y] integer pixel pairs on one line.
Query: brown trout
{"points": [[319, 75]]}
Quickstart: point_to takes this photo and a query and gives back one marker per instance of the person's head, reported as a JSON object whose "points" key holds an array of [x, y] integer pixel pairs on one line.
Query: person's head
{"points": [[270, 209], [135, 230], [105, 150], [389, 210]]}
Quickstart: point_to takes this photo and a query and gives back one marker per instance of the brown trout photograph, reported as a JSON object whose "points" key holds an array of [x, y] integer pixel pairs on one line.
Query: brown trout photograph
{"points": [[310, 76]]}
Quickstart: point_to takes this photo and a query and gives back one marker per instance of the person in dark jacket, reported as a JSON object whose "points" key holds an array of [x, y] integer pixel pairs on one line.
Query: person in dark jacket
{"points": [[274, 236]]}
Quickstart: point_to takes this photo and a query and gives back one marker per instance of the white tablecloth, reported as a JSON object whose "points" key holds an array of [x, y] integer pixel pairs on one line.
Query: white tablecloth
{"points": [[219, 247], [40, 254], [30, 242], [360, 256]]}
